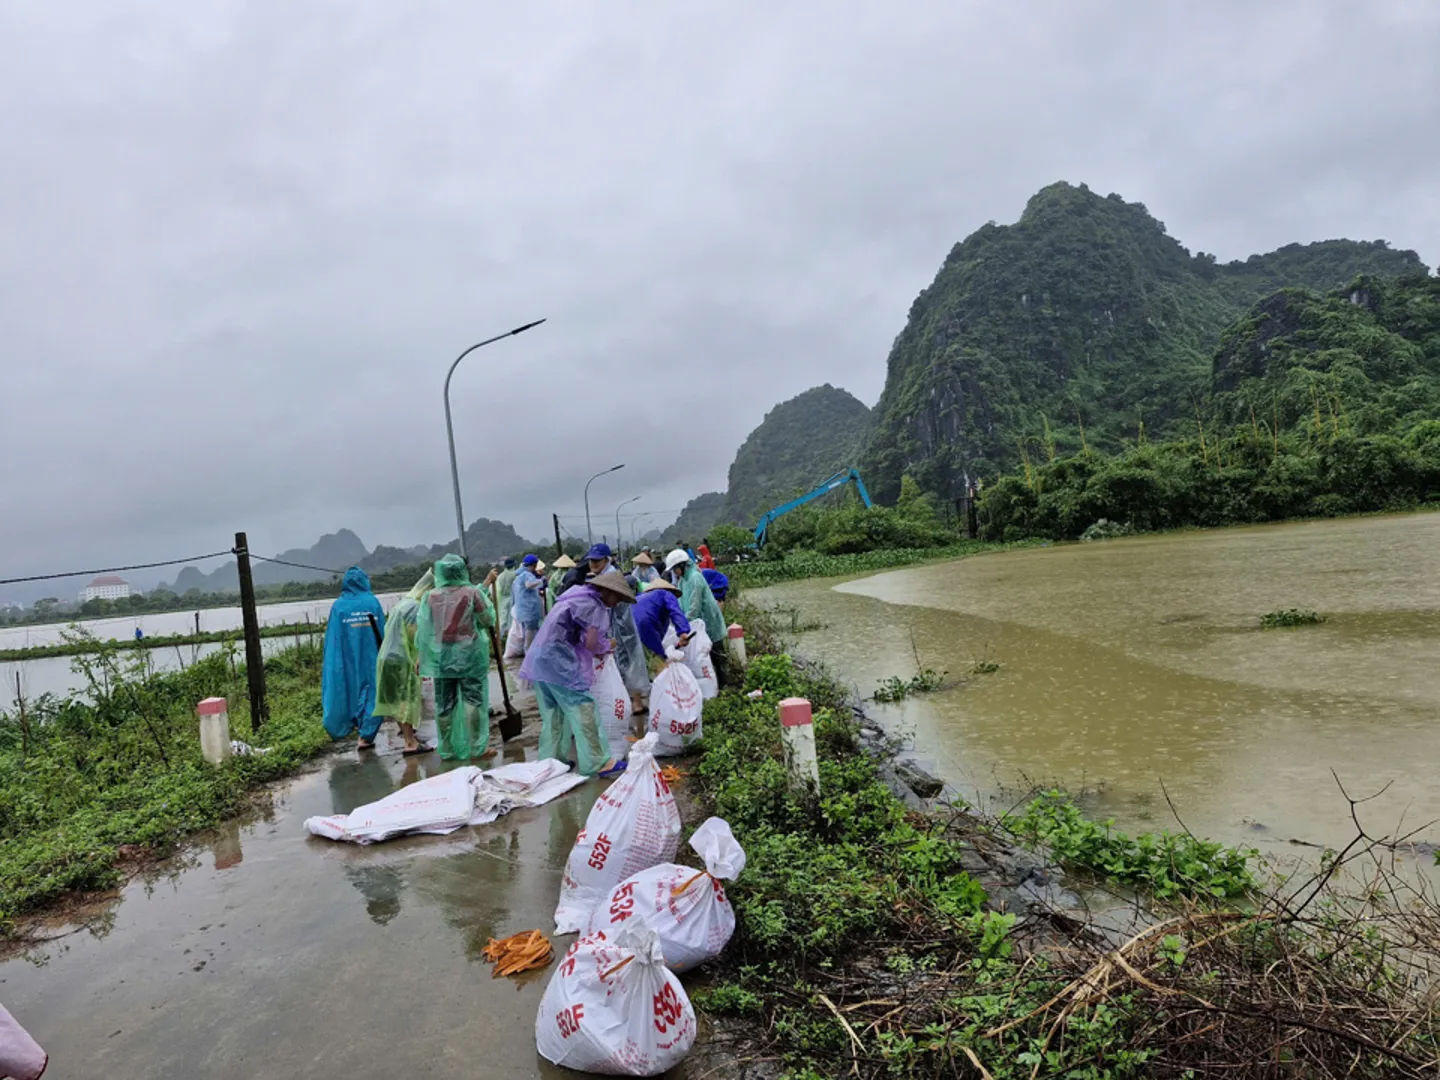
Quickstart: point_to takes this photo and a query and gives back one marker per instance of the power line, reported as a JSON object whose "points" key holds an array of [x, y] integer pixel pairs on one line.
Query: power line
{"points": [[116, 569], [296, 565]]}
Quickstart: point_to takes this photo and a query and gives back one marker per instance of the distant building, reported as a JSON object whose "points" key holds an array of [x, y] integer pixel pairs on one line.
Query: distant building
{"points": [[106, 587]]}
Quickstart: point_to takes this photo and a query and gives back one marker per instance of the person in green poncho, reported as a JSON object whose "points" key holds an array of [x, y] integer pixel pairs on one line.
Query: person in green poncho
{"points": [[397, 677], [699, 604], [452, 636]]}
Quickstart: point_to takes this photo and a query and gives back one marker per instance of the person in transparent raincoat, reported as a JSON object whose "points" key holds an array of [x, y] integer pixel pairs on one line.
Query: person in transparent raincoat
{"points": [[561, 665], [397, 674], [452, 637]]}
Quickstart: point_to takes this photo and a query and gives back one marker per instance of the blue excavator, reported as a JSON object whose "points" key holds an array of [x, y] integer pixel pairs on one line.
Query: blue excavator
{"points": [[840, 479]]}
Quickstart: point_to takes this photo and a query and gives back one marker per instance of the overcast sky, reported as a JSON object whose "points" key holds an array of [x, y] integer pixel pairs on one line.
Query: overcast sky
{"points": [[241, 240]]}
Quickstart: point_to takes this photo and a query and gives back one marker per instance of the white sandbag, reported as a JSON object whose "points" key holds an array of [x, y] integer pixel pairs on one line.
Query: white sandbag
{"points": [[612, 1007], [697, 657], [612, 705], [675, 707], [687, 910], [633, 825], [515, 641]]}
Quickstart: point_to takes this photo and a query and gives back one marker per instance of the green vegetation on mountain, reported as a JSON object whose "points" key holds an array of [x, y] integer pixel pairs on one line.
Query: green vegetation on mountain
{"points": [[1073, 329], [1322, 405], [697, 519], [799, 443]]}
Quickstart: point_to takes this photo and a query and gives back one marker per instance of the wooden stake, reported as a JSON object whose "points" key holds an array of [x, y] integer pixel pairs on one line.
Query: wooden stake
{"points": [[254, 658]]}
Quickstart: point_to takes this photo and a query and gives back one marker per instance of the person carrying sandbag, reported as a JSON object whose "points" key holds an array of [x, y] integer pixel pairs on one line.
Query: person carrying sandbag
{"points": [[562, 665]]}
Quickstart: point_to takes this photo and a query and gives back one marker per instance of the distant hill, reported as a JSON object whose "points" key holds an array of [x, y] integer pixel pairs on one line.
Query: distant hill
{"points": [[487, 541], [799, 443], [696, 519], [1075, 325]]}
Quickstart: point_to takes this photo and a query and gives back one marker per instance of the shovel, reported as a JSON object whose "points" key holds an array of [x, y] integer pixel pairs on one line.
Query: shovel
{"points": [[511, 722]]}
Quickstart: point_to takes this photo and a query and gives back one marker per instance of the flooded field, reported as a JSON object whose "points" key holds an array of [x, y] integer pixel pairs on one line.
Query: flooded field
{"points": [[53, 675], [1134, 662]]}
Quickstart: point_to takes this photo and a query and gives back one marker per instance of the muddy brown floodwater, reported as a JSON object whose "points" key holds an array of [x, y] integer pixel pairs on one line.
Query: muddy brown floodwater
{"points": [[1129, 662]]}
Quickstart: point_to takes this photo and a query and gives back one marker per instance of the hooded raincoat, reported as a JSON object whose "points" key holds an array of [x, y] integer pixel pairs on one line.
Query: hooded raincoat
{"points": [[562, 663], [452, 638], [397, 677], [347, 682], [700, 603]]}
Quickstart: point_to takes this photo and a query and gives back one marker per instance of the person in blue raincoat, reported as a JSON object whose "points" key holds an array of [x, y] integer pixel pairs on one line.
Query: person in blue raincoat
{"points": [[525, 594], [352, 642]]}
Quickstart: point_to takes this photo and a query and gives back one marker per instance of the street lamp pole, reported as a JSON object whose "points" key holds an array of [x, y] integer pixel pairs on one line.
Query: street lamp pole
{"points": [[512, 714], [590, 532], [620, 536], [450, 427]]}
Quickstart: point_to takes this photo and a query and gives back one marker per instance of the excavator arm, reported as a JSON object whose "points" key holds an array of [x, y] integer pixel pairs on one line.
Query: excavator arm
{"points": [[840, 479]]}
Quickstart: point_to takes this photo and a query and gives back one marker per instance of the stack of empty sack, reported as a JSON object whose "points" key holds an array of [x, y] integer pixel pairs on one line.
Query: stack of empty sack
{"points": [[614, 1005]]}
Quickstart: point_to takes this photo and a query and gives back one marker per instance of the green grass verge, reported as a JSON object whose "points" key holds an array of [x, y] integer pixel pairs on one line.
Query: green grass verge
{"points": [[80, 780]]}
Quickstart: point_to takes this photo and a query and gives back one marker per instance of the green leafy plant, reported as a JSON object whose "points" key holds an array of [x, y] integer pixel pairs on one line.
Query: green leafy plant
{"points": [[1166, 864], [1289, 617], [896, 689]]}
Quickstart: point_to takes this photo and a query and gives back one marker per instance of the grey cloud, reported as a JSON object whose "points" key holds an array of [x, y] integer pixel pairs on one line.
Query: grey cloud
{"points": [[240, 242]]}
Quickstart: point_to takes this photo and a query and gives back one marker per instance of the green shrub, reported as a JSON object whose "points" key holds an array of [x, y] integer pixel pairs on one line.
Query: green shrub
{"points": [[1165, 864]]}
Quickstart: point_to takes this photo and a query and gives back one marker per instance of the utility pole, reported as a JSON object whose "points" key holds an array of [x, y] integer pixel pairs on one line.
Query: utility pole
{"points": [[254, 659], [559, 547]]}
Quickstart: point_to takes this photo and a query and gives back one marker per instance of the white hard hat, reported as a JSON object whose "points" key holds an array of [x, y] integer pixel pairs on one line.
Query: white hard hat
{"points": [[676, 557]]}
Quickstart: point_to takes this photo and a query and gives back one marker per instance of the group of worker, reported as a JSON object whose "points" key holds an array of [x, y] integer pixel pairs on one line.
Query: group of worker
{"points": [[567, 620]]}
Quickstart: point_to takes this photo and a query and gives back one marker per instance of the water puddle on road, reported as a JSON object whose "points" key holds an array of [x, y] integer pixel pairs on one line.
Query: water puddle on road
{"points": [[277, 954]]}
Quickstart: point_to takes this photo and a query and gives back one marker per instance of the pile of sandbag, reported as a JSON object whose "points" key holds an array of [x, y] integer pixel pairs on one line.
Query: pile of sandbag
{"points": [[441, 804], [676, 702], [614, 1005], [633, 825], [685, 908]]}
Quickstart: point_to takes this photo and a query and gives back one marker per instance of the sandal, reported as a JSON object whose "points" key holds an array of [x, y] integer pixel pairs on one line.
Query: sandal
{"points": [[363, 745], [420, 748], [614, 770]]}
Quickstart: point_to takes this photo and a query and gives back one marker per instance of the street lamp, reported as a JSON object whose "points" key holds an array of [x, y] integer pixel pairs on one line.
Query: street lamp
{"points": [[589, 532], [450, 428], [511, 725], [620, 536]]}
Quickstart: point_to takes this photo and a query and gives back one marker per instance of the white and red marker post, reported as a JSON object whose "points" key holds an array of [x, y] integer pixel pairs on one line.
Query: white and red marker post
{"points": [[214, 729], [735, 641], [797, 730]]}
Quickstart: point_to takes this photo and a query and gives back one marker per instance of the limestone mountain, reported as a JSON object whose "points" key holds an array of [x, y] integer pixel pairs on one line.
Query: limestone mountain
{"points": [[695, 520], [799, 443], [1076, 325]]}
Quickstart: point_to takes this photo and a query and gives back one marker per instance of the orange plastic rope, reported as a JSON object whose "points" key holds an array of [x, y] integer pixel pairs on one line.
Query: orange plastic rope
{"points": [[617, 967], [682, 888]]}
